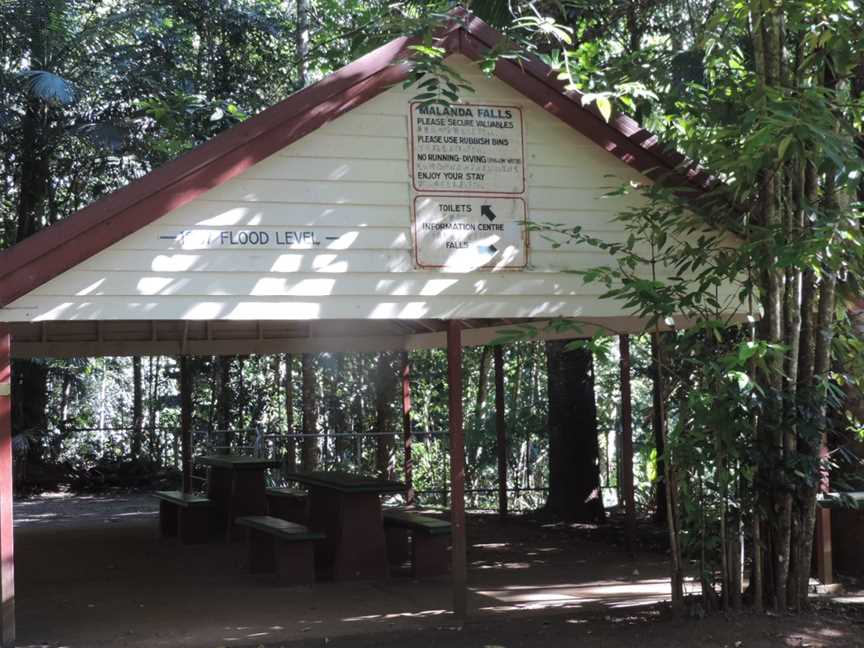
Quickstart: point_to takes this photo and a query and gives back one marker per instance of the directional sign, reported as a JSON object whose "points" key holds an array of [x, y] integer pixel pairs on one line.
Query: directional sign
{"points": [[470, 148], [464, 233]]}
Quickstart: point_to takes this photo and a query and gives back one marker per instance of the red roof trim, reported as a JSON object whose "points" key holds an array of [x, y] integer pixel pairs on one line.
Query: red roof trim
{"points": [[51, 251], [57, 248]]}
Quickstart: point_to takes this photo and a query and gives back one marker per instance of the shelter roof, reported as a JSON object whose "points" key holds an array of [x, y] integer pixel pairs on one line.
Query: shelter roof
{"points": [[50, 252]]}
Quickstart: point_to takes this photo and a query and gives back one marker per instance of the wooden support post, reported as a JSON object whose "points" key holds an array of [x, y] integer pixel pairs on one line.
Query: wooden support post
{"points": [[186, 421], [406, 428], [500, 429], [824, 554], [7, 553], [457, 468], [627, 447], [824, 557]]}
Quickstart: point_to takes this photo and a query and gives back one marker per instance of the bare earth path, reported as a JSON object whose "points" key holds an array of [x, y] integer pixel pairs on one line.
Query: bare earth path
{"points": [[90, 572]]}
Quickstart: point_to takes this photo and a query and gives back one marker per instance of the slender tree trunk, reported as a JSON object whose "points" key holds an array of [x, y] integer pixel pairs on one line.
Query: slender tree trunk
{"points": [[137, 440], [819, 327], [658, 423], [63, 414], [385, 392], [290, 458], [340, 415], [311, 451], [768, 40], [185, 432], [155, 447], [673, 522], [224, 433], [626, 479], [472, 440], [103, 384], [301, 41]]}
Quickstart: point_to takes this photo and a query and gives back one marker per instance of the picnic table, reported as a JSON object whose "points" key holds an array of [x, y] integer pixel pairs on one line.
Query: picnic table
{"points": [[237, 488], [347, 509]]}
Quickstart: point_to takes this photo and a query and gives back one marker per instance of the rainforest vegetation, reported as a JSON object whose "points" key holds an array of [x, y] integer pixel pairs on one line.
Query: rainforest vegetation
{"points": [[739, 420]]}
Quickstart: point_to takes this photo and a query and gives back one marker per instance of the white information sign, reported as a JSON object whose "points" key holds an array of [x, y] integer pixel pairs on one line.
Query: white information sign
{"points": [[464, 233], [467, 148]]}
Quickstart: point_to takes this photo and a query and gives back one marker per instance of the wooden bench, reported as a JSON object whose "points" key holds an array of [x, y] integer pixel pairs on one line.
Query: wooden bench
{"points": [[276, 545], [429, 540], [184, 514], [290, 504]]}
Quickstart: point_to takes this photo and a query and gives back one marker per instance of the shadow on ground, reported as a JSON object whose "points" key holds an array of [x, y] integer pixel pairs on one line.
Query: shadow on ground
{"points": [[91, 572]]}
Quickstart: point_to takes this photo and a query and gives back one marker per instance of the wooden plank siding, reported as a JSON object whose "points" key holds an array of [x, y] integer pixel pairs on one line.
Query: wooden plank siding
{"points": [[350, 181]]}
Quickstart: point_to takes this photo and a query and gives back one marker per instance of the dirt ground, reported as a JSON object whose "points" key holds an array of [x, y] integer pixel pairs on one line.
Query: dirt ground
{"points": [[91, 572]]}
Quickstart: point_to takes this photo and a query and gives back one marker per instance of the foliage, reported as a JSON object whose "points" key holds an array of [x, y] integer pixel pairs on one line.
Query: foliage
{"points": [[767, 95]]}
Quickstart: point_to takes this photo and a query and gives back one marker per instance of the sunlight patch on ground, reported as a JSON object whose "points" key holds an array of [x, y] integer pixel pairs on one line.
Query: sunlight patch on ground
{"points": [[396, 615], [612, 594]]}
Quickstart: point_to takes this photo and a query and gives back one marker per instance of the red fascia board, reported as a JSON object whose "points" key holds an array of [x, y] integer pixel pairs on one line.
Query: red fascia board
{"points": [[622, 136], [59, 247], [55, 249]]}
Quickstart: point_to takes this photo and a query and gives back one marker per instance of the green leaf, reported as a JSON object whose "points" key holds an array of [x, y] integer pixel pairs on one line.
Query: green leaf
{"points": [[605, 107], [48, 87], [784, 144]]}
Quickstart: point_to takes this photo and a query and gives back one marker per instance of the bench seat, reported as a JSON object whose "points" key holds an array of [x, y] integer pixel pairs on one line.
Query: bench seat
{"points": [[416, 522], [284, 491], [184, 514], [290, 504], [274, 545], [185, 500], [429, 540]]}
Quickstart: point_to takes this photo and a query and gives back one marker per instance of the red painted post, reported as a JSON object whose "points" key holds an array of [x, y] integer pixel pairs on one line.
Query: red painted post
{"points": [[186, 421], [824, 553], [406, 428], [500, 429], [7, 553], [627, 446], [457, 468]]}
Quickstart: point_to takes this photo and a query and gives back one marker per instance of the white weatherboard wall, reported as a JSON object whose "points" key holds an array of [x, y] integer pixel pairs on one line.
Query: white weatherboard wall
{"points": [[349, 182]]}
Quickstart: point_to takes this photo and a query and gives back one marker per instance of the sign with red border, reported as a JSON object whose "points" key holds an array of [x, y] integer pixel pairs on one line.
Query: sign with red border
{"points": [[465, 233], [467, 148]]}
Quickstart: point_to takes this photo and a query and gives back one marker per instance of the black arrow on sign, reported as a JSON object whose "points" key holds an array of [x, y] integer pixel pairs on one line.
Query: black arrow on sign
{"points": [[486, 210], [488, 249]]}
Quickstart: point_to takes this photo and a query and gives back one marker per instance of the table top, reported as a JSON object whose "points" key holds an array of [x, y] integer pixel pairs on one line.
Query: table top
{"points": [[848, 499], [345, 482], [236, 462]]}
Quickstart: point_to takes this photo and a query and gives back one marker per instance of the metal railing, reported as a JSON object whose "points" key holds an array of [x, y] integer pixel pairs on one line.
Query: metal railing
{"points": [[258, 441]]}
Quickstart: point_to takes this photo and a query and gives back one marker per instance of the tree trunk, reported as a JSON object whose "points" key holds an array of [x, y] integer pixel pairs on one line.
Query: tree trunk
{"points": [[626, 480], [309, 444], [63, 414], [155, 446], [185, 432], [290, 457], [385, 392], [657, 424], [574, 476], [474, 436], [29, 405], [224, 434], [673, 521], [137, 440], [301, 41], [34, 172], [340, 416]]}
